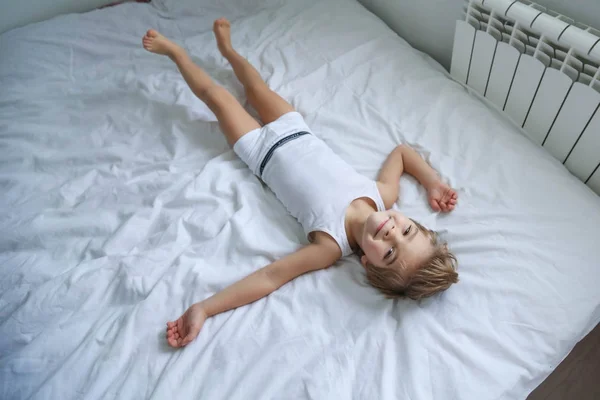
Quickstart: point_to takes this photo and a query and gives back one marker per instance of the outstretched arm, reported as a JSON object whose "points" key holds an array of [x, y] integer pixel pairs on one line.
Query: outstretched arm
{"points": [[254, 287], [404, 159]]}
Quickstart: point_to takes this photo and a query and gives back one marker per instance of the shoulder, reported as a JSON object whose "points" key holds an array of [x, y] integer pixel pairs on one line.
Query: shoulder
{"points": [[324, 243]]}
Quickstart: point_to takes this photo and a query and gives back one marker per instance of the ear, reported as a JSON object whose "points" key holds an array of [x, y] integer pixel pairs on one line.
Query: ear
{"points": [[364, 261]]}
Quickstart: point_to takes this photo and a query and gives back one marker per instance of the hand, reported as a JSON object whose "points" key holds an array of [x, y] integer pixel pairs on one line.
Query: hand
{"points": [[187, 327], [441, 197]]}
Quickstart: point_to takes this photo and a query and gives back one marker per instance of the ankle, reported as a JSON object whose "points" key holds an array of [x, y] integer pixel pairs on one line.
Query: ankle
{"points": [[177, 54], [228, 52]]}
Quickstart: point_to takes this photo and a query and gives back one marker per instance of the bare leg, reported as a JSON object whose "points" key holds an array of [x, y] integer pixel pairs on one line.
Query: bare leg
{"points": [[235, 122], [266, 102]]}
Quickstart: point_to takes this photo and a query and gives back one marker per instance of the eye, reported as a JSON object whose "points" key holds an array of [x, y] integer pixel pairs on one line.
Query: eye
{"points": [[407, 230], [389, 253]]}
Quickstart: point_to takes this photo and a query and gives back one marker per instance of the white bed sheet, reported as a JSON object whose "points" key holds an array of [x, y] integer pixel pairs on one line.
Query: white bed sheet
{"points": [[122, 204]]}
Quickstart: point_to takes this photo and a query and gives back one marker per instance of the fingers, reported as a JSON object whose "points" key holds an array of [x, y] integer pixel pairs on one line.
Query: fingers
{"points": [[176, 339], [190, 336], [173, 333], [177, 333], [186, 340], [172, 342], [453, 196], [435, 205], [449, 201]]}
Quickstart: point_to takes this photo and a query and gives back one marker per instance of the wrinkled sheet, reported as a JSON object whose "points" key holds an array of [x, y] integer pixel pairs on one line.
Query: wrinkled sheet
{"points": [[122, 204]]}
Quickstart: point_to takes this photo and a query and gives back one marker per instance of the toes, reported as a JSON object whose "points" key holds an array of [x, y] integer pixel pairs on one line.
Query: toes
{"points": [[152, 33], [221, 22], [146, 42]]}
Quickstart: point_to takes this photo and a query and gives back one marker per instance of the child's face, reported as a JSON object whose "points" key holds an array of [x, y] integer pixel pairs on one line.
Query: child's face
{"points": [[390, 239]]}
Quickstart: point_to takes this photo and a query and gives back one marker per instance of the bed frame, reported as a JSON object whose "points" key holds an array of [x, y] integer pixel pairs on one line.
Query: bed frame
{"points": [[542, 69]]}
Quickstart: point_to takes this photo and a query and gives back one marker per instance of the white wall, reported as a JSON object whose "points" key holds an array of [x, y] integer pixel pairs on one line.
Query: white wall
{"points": [[14, 13], [428, 25]]}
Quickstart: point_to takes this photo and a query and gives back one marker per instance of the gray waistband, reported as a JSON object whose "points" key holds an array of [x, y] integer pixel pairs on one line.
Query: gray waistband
{"points": [[277, 144]]}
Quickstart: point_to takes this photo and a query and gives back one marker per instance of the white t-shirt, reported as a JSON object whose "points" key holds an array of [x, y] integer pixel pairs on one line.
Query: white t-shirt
{"points": [[317, 186]]}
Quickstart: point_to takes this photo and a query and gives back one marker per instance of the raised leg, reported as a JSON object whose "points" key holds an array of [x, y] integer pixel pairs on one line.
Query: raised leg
{"points": [[266, 102], [235, 122]]}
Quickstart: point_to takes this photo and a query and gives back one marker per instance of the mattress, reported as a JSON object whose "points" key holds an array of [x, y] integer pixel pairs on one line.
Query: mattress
{"points": [[122, 205]]}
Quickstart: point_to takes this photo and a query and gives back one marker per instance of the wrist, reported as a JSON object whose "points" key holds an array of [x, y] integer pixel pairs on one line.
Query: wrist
{"points": [[204, 309], [430, 181]]}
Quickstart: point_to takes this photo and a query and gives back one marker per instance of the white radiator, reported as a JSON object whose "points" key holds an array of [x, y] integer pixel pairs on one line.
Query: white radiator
{"points": [[543, 70]]}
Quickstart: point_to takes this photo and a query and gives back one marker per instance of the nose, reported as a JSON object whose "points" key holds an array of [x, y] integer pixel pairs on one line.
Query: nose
{"points": [[389, 232]]}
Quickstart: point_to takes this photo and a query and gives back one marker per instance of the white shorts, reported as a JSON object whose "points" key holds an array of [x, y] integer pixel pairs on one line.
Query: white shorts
{"points": [[256, 147]]}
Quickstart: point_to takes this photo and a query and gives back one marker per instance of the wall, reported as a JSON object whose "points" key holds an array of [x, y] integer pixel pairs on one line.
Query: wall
{"points": [[428, 25], [14, 13]]}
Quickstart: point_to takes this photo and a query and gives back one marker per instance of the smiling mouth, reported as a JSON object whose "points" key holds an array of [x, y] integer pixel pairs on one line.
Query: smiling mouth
{"points": [[381, 226]]}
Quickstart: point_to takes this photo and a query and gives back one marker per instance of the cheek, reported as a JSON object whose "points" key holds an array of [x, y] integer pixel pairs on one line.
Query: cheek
{"points": [[371, 249]]}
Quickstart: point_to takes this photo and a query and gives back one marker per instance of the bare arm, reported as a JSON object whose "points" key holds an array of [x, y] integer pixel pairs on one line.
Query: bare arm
{"points": [[255, 286], [270, 278], [401, 159]]}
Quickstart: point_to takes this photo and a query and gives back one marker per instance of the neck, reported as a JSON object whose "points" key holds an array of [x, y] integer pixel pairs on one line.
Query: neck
{"points": [[357, 214]]}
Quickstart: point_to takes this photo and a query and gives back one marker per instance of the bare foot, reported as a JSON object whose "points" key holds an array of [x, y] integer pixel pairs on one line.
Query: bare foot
{"points": [[222, 30], [441, 197], [157, 43], [187, 327]]}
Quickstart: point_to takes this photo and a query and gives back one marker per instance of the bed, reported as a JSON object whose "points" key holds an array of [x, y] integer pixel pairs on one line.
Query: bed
{"points": [[122, 204]]}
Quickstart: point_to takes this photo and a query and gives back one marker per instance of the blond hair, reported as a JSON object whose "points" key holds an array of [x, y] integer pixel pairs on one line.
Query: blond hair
{"points": [[436, 274]]}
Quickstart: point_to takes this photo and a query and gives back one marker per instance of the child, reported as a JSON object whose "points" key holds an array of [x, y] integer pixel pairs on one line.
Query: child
{"points": [[340, 210]]}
